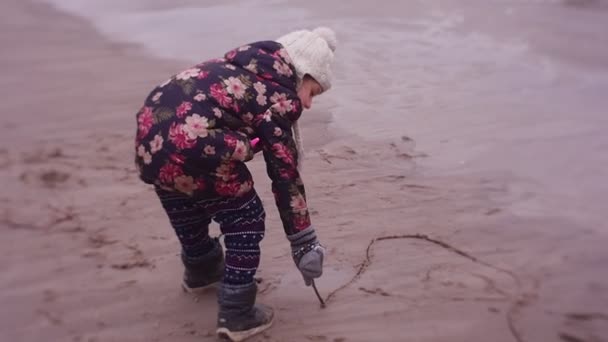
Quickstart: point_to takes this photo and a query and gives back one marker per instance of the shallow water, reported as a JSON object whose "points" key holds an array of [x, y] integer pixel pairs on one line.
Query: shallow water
{"points": [[511, 89]]}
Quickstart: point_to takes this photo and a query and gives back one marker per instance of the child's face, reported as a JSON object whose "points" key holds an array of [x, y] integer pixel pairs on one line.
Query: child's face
{"points": [[309, 89]]}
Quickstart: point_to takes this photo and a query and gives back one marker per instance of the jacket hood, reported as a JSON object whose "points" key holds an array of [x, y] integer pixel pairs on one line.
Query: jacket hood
{"points": [[264, 59]]}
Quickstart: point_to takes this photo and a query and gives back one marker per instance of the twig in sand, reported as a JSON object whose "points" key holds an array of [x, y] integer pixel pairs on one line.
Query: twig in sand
{"points": [[314, 287]]}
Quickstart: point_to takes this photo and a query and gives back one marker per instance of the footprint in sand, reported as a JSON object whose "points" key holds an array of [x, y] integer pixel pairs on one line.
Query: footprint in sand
{"points": [[49, 178], [137, 260], [268, 285], [42, 156], [406, 149]]}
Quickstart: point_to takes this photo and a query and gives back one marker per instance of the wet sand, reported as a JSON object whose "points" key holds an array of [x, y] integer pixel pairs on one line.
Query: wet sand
{"points": [[419, 249]]}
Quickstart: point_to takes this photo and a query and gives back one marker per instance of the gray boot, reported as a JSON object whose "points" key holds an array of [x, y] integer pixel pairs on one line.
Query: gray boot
{"points": [[239, 317], [206, 271]]}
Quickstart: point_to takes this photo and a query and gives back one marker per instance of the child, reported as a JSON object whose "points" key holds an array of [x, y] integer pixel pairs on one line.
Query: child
{"points": [[194, 136]]}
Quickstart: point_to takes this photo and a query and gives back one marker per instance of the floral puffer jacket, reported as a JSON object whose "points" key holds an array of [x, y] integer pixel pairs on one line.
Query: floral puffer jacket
{"points": [[194, 131]]}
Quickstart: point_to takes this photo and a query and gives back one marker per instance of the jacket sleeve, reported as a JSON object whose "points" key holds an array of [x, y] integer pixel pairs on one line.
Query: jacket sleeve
{"points": [[281, 156]]}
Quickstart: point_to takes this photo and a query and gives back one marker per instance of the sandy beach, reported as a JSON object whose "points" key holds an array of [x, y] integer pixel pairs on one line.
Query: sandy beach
{"points": [[471, 209]]}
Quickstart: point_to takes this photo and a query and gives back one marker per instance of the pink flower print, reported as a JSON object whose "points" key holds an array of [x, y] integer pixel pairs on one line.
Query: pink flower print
{"points": [[241, 151], [235, 87], [283, 53], [147, 158], [200, 97], [220, 95], [201, 184], [196, 126], [185, 184], [266, 76], [277, 132], [144, 155], [283, 153], [224, 172], [157, 96], [183, 109], [301, 222], [141, 150], [168, 173], [230, 141], [298, 205], [145, 121], [287, 174], [261, 100], [227, 189], [217, 113], [282, 104], [260, 88], [187, 74], [202, 75], [180, 137], [282, 68], [266, 116], [230, 55], [156, 144], [209, 150], [177, 158]]}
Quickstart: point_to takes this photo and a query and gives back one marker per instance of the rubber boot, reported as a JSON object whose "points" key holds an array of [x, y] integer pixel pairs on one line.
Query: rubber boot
{"points": [[239, 317], [206, 271]]}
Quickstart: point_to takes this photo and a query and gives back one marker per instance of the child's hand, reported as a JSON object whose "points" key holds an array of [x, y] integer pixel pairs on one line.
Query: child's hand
{"points": [[311, 264], [308, 254]]}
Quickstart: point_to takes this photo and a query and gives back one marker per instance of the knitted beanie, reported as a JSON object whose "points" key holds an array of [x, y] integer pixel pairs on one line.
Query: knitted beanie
{"points": [[312, 53]]}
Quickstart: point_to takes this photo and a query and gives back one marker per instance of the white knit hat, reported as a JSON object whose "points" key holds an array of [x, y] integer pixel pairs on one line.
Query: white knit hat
{"points": [[312, 53]]}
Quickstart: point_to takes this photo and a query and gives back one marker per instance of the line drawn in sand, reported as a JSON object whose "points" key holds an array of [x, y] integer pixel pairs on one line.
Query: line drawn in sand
{"points": [[518, 300]]}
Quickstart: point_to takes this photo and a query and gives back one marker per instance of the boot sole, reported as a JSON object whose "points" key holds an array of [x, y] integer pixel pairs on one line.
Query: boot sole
{"points": [[238, 336], [202, 289]]}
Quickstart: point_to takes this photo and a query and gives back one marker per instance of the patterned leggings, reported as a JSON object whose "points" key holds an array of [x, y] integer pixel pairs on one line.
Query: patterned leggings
{"points": [[241, 221]]}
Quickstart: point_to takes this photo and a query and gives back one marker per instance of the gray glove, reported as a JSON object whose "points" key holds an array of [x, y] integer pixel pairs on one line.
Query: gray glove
{"points": [[308, 254]]}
